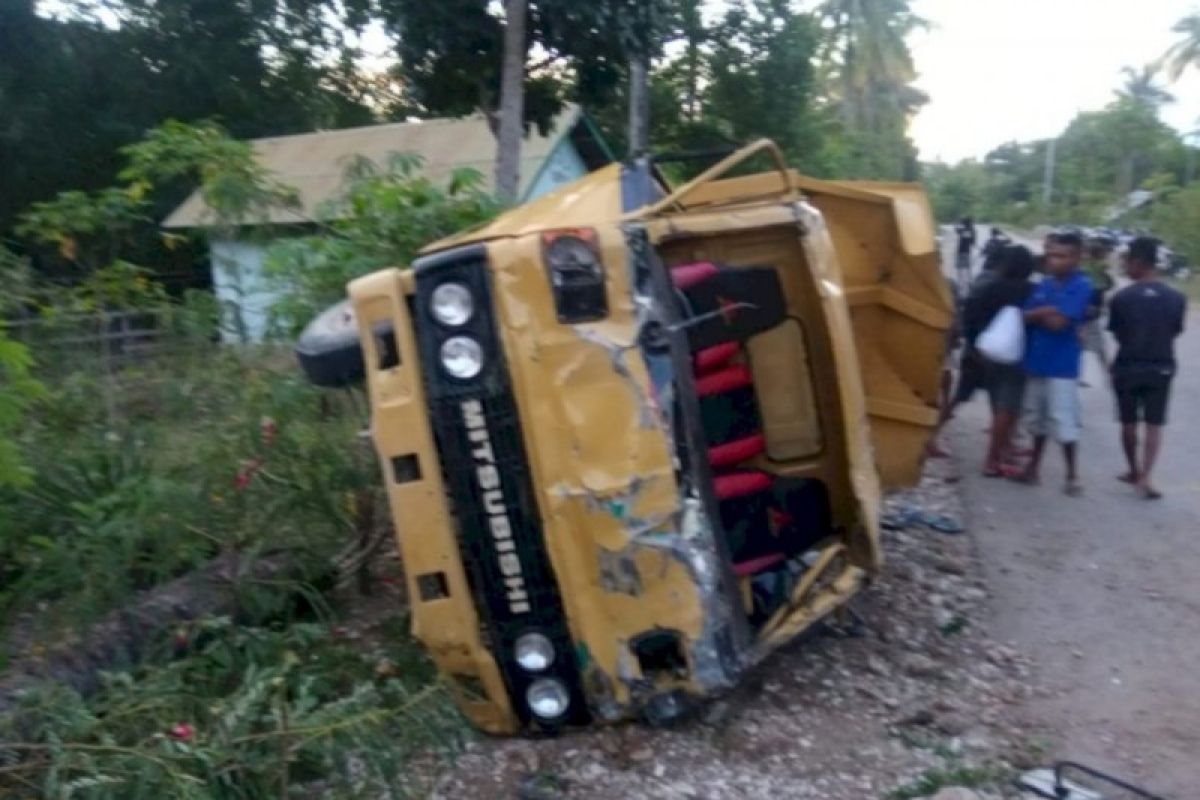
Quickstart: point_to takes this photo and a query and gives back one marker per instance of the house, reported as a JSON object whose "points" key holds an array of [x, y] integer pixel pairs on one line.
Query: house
{"points": [[315, 163]]}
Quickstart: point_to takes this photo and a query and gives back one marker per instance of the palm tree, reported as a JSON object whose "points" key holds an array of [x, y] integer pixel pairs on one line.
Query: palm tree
{"points": [[1141, 87], [869, 55], [869, 72], [1185, 52]]}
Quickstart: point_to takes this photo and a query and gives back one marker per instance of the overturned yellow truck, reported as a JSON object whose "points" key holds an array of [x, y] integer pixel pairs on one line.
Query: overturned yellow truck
{"points": [[634, 436]]}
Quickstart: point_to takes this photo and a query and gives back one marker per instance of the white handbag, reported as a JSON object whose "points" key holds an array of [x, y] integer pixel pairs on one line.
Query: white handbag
{"points": [[1003, 340]]}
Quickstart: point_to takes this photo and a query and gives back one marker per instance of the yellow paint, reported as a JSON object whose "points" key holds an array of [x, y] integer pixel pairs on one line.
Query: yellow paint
{"points": [[448, 627], [857, 264]]}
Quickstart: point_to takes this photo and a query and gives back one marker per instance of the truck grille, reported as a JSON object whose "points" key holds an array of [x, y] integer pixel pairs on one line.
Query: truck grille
{"points": [[478, 430]]}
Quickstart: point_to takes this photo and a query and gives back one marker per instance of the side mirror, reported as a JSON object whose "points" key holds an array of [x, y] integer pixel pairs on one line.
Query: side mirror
{"points": [[329, 350]]}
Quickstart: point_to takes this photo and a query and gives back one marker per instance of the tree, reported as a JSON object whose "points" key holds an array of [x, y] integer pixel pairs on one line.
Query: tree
{"points": [[1141, 87], [1185, 52], [869, 71], [756, 44], [1174, 220], [512, 98], [80, 89], [451, 52]]}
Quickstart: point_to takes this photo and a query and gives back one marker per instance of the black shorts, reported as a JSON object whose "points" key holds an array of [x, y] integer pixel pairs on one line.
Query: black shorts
{"points": [[1142, 395], [1005, 385], [971, 375]]}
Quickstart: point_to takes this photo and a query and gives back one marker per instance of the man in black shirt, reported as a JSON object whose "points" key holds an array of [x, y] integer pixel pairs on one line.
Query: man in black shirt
{"points": [[1145, 318]]}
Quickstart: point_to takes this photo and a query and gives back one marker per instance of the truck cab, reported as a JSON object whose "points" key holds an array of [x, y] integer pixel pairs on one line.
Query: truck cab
{"points": [[634, 437]]}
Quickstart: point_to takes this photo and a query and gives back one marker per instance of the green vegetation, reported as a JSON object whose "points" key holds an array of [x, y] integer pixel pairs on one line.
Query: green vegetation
{"points": [[96, 76], [136, 454], [934, 780], [238, 712], [133, 457], [385, 215]]}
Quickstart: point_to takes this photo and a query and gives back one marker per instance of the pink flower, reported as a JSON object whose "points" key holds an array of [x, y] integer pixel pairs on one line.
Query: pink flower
{"points": [[247, 473], [183, 731]]}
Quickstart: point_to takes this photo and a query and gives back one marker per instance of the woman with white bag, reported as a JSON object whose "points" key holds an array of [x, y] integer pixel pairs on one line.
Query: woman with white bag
{"points": [[994, 323]]}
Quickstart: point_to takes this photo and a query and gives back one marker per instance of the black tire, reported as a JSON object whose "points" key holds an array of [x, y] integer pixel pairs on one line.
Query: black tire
{"points": [[329, 350]]}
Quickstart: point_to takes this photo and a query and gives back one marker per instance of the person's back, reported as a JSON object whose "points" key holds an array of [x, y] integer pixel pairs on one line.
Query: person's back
{"points": [[1145, 317]]}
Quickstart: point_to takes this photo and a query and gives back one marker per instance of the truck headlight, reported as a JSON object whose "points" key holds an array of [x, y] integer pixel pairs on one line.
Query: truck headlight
{"points": [[462, 357], [576, 275], [548, 698], [451, 304], [533, 652]]}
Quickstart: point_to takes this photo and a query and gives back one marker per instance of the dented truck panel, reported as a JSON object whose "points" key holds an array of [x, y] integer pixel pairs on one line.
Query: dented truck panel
{"points": [[624, 532], [569, 488]]}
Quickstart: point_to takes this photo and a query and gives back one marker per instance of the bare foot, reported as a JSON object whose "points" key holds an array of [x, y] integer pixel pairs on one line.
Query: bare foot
{"points": [[1148, 491]]}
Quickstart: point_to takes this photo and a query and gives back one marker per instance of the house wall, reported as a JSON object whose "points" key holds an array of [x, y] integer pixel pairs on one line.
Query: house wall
{"points": [[242, 290], [563, 165]]}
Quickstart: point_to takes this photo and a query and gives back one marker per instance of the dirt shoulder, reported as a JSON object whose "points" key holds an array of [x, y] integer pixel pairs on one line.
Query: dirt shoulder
{"points": [[922, 699]]}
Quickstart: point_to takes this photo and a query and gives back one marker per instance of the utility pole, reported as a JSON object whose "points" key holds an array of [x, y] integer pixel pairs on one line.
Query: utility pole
{"points": [[1048, 175]]}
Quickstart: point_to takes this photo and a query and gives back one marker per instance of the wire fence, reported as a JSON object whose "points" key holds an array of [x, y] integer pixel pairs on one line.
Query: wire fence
{"points": [[134, 362]]}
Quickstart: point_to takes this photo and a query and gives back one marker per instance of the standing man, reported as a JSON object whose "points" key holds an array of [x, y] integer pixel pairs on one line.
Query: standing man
{"points": [[1145, 317], [1054, 312], [966, 245]]}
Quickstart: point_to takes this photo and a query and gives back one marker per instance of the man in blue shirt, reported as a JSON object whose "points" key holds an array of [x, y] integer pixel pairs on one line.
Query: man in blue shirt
{"points": [[1054, 313]]}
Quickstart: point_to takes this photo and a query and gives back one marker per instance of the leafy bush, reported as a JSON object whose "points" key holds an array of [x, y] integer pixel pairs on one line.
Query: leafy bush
{"points": [[224, 452], [17, 390], [1174, 220], [243, 713], [385, 216], [144, 460]]}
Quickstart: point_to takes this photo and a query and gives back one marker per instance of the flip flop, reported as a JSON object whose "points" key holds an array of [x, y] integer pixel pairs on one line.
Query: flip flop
{"points": [[900, 519], [942, 523]]}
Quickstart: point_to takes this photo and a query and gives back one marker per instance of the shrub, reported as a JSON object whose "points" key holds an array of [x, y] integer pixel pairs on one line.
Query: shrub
{"points": [[244, 713], [386, 215]]}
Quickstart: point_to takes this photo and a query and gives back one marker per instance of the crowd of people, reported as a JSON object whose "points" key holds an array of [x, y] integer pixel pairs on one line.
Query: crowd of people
{"points": [[1063, 297]]}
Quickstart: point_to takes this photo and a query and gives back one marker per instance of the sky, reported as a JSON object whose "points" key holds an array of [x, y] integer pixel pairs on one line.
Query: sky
{"points": [[1006, 70]]}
